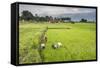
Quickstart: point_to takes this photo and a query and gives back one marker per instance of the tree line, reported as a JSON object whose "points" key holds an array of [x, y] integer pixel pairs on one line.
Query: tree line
{"points": [[27, 16]]}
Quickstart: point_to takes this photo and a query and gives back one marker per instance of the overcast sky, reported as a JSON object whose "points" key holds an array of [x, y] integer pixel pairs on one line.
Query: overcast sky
{"points": [[58, 11]]}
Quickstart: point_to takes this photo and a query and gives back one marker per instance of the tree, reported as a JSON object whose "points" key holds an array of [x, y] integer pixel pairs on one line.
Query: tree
{"points": [[68, 19], [46, 18], [83, 20], [26, 15], [72, 22]]}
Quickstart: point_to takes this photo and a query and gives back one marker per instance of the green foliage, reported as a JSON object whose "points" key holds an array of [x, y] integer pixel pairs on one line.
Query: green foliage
{"points": [[83, 20], [26, 15], [66, 18], [72, 22]]}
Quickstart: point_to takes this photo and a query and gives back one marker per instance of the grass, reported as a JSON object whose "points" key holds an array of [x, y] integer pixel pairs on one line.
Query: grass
{"points": [[78, 42]]}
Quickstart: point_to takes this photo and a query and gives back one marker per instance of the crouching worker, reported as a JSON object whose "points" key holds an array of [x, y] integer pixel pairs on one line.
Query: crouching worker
{"points": [[57, 45], [43, 41], [42, 45]]}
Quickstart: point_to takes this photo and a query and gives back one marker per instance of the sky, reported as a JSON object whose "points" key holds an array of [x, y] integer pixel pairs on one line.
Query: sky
{"points": [[75, 13]]}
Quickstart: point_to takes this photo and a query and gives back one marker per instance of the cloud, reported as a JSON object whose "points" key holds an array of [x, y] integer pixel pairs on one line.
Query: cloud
{"points": [[53, 10]]}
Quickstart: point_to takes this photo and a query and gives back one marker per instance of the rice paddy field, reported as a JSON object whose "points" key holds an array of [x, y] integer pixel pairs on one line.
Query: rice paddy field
{"points": [[78, 42]]}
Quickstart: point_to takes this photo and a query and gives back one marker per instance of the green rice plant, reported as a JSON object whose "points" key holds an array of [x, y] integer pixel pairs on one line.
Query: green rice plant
{"points": [[78, 42]]}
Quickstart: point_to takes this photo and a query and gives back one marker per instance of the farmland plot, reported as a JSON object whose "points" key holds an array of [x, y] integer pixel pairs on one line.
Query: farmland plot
{"points": [[78, 42]]}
